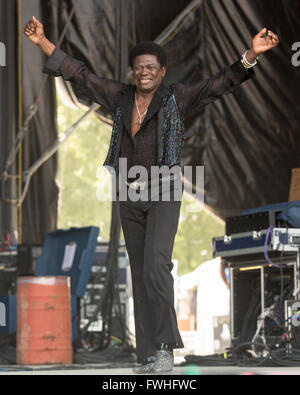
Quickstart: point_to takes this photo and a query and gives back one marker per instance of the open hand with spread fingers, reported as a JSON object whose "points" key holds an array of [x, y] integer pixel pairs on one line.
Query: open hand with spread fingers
{"points": [[264, 41]]}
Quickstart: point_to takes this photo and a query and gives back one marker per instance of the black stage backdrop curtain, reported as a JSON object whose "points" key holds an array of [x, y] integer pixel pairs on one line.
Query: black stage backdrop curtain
{"points": [[40, 204], [247, 141], [8, 111], [39, 209]]}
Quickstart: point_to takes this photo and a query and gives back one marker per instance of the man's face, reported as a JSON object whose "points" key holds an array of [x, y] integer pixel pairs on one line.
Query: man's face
{"points": [[147, 73]]}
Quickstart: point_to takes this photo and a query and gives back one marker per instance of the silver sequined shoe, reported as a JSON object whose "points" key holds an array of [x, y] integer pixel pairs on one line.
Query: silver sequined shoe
{"points": [[144, 369], [164, 361]]}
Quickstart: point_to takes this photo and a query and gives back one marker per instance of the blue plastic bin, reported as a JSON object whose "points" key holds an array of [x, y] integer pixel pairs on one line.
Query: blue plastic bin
{"points": [[8, 319], [50, 264]]}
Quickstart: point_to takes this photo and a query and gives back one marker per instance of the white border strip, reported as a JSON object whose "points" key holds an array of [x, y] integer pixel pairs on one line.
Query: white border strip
{"points": [[50, 280]]}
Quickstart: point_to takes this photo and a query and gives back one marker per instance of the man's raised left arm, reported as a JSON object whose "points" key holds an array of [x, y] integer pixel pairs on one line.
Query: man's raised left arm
{"points": [[194, 97]]}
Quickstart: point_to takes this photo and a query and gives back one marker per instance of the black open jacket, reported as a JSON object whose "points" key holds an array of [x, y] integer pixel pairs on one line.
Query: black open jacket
{"points": [[113, 94]]}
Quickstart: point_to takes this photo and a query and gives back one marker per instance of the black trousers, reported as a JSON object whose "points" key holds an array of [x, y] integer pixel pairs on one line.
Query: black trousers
{"points": [[149, 230]]}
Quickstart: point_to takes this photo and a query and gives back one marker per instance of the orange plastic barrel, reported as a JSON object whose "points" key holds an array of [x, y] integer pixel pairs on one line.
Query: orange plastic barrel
{"points": [[44, 332]]}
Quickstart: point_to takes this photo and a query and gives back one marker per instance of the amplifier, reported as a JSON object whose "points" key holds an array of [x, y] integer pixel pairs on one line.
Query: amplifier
{"points": [[89, 304], [251, 222], [271, 241], [27, 257], [280, 215], [91, 301], [99, 267], [240, 244], [285, 239]]}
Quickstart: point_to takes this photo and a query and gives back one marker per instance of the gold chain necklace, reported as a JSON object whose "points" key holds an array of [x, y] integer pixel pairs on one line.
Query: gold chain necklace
{"points": [[141, 117]]}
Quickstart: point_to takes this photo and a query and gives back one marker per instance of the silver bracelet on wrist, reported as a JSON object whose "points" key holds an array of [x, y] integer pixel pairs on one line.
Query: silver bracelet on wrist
{"points": [[245, 62]]}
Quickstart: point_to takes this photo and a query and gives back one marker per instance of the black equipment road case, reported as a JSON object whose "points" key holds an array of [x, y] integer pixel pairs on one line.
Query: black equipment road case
{"points": [[264, 269]]}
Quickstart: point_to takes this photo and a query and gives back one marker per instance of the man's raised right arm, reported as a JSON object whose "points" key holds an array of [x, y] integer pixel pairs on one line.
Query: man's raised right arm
{"points": [[100, 90], [34, 30]]}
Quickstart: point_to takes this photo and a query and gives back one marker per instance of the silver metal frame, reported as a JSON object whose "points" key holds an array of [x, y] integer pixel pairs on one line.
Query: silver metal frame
{"points": [[262, 266]]}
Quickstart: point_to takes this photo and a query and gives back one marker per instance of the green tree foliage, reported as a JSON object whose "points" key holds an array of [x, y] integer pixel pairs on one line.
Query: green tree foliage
{"points": [[82, 182], [80, 159], [194, 237]]}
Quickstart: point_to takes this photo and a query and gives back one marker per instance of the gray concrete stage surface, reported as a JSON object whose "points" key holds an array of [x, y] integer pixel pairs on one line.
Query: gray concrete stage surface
{"points": [[103, 370], [110, 368]]}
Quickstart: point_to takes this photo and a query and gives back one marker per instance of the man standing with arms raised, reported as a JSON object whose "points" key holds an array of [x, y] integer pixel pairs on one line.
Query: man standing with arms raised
{"points": [[148, 131]]}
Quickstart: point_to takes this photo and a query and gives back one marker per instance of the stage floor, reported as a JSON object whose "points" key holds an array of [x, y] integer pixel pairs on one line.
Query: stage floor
{"points": [[103, 370]]}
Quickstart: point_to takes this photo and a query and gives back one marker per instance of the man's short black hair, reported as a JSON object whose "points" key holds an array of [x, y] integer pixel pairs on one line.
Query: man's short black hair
{"points": [[148, 48]]}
